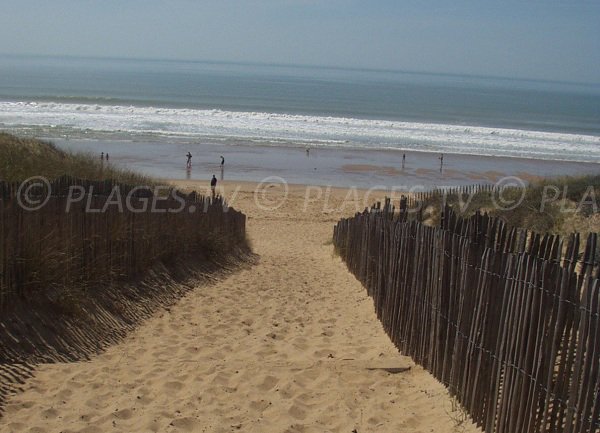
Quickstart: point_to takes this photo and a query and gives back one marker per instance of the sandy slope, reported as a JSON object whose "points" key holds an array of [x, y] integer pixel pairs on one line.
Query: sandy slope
{"points": [[290, 345]]}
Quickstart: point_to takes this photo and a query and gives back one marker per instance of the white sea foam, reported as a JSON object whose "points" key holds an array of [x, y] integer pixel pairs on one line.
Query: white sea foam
{"points": [[299, 129]]}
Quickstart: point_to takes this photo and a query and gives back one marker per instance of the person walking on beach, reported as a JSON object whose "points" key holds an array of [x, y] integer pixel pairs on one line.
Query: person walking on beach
{"points": [[213, 185], [441, 161], [107, 157], [102, 156], [403, 160], [222, 161], [189, 160]]}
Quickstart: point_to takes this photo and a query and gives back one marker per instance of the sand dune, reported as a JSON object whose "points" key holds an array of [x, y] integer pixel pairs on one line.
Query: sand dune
{"points": [[289, 345]]}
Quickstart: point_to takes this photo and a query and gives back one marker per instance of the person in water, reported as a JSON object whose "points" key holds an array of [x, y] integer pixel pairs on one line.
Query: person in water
{"points": [[222, 161], [189, 159]]}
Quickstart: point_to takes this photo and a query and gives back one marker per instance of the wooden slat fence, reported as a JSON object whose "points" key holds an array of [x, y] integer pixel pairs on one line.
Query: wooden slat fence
{"points": [[48, 250], [507, 319], [415, 202], [424, 196]]}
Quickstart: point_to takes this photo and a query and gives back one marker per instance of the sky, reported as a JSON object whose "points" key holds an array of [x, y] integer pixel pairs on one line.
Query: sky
{"points": [[537, 39]]}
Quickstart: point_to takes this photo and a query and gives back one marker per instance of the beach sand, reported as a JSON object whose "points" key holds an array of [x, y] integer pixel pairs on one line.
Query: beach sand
{"points": [[291, 344]]}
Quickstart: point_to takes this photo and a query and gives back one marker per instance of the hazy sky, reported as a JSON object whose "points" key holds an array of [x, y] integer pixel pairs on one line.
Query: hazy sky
{"points": [[548, 39]]}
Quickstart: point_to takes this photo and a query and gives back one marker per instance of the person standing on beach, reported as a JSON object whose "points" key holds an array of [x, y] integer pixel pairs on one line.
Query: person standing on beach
{"points": [[222, 167], [107, 157], [441, 161], [102, 156], [189, 160], [213, 185], [403, 203], [403, 160]]}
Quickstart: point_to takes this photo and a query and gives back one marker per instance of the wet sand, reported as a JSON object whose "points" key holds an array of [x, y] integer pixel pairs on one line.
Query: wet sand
{"points": [[340, 167]]}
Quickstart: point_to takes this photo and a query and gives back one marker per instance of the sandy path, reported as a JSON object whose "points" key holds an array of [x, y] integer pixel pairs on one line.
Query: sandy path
{"points": [[286, 346]]}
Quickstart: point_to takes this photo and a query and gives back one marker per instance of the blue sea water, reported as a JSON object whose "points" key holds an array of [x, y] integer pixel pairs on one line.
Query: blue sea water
{"points": [[249, 104]]}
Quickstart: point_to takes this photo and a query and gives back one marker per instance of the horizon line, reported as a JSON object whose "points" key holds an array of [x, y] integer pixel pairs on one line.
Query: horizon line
{"points": [[304, 66]]}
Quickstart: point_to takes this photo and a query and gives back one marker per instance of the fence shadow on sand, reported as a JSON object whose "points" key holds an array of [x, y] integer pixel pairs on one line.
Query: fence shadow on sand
{"points": [[73, 283]]}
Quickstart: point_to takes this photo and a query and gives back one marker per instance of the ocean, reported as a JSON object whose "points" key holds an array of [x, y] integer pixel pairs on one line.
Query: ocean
{"points": [[154, 101]]}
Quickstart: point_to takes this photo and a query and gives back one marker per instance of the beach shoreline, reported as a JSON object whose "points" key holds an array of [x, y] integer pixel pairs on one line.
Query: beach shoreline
{"points": [[337, 167]]}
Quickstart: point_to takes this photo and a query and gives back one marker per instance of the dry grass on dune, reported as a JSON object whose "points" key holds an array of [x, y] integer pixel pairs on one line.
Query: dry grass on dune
{"points": [[22, 158], [64, 255], [561, 205], [76, 281]]}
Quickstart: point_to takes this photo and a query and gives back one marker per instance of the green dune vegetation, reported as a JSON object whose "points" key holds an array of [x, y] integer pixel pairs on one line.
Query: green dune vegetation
{"points": [[21, 158], [560, 205]]}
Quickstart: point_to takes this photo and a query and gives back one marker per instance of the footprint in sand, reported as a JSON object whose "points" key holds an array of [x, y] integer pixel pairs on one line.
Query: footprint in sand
{"points": [[306, 397], [298, 411], [65, 393], [124, 414], [91, 429], [268, 383], [173, 386], [50, 413], [186, 424], [300, 343], [307, 376], [327, 333], [221, 379], [37, 430], [324, 353], [275, 336], [264, 353], [259, 406]]}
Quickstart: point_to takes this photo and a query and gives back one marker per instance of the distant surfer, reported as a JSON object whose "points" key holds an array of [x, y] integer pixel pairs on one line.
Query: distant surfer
{"points": [[189, 160], [307, 151], [222, 161]]}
